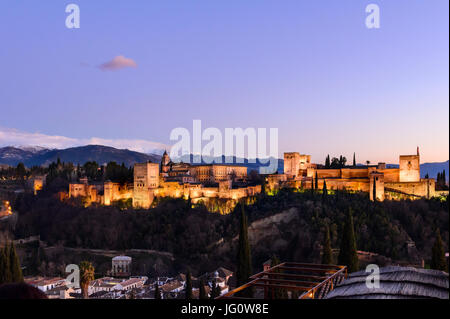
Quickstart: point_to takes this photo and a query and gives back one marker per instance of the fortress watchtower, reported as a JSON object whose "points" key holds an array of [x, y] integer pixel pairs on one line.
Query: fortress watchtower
{"points": [[296, 164], [409, 168], [146, 177], [377, 182]]}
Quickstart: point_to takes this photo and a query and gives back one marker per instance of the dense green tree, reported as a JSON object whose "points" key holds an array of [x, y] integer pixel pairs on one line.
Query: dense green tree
{"points": [[327, 255], [16, 270], [438, 261], [342, 161], [92, 171], [21, 171], [188, 293], [441, 182], [118, 173], [348, 255], [335, 162], [244, 262]]}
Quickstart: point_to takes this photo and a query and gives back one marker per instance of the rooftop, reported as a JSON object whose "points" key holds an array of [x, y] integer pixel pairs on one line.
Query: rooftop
{"points": [[395, 283], [121, 258]]}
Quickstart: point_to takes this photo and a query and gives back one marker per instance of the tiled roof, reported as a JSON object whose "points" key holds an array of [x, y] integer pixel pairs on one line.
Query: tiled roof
{"points": [[170, 286]]}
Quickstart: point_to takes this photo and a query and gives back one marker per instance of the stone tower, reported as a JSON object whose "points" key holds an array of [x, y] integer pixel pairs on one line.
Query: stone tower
{"points": [[377, 181], [291, 163], [165, 161], [146, 179], [409, 168]]}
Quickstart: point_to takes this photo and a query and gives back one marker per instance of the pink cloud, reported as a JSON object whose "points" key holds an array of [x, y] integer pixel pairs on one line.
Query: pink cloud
{"points": [[119, 62]]}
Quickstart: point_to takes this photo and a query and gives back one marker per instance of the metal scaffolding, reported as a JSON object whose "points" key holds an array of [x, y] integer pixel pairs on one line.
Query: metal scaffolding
{"points": [[312, 281]]}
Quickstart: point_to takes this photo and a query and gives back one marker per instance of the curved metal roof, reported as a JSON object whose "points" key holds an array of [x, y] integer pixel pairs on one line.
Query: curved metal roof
{"points": [[395, 283]]}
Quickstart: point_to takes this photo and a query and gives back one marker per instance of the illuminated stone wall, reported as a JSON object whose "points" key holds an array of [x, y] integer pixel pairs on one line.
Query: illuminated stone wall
{"points": [[409, 168], [405, 179], [115, 192], [213, 173], [423, 188]]}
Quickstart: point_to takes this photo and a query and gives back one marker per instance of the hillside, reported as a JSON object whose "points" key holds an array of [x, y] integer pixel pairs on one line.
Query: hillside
{"points": [[100, 154], [290, 225]]}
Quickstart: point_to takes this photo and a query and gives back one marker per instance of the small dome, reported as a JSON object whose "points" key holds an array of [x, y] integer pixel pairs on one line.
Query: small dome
{"points": [[121, 258]]}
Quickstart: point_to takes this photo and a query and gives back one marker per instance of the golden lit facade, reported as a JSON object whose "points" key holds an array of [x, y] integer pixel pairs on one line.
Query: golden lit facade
{"points": [[390, 183]]}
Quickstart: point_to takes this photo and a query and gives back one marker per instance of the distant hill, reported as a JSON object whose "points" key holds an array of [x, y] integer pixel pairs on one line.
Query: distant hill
{"points": [[82, 154]]}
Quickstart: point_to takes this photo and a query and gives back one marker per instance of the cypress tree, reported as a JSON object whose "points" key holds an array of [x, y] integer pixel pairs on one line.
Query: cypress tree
{"points": [[5, 265], [16, 270], [348, 255], [188, 285], [327, 257], [354, 159], [316, 185], [374, 190], [244, 265], [327, 161], [438, 255], [324, 190], [202, 292], [157, 292]]}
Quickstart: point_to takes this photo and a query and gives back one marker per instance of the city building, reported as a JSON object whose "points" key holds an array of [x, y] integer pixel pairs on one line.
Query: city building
{"points": [[121, 266], [45, 284]]}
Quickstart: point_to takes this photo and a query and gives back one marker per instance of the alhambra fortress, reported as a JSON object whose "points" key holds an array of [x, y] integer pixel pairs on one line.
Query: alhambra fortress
{"points": [[199, 183], [229, 183], [389, 183]]}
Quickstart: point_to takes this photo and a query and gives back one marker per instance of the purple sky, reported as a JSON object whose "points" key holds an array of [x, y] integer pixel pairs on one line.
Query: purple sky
{"points": [[310, 68]]}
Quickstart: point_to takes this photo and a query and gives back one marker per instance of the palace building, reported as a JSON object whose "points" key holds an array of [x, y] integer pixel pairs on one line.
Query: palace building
{"points": [[389, 183], [199, 183]]}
